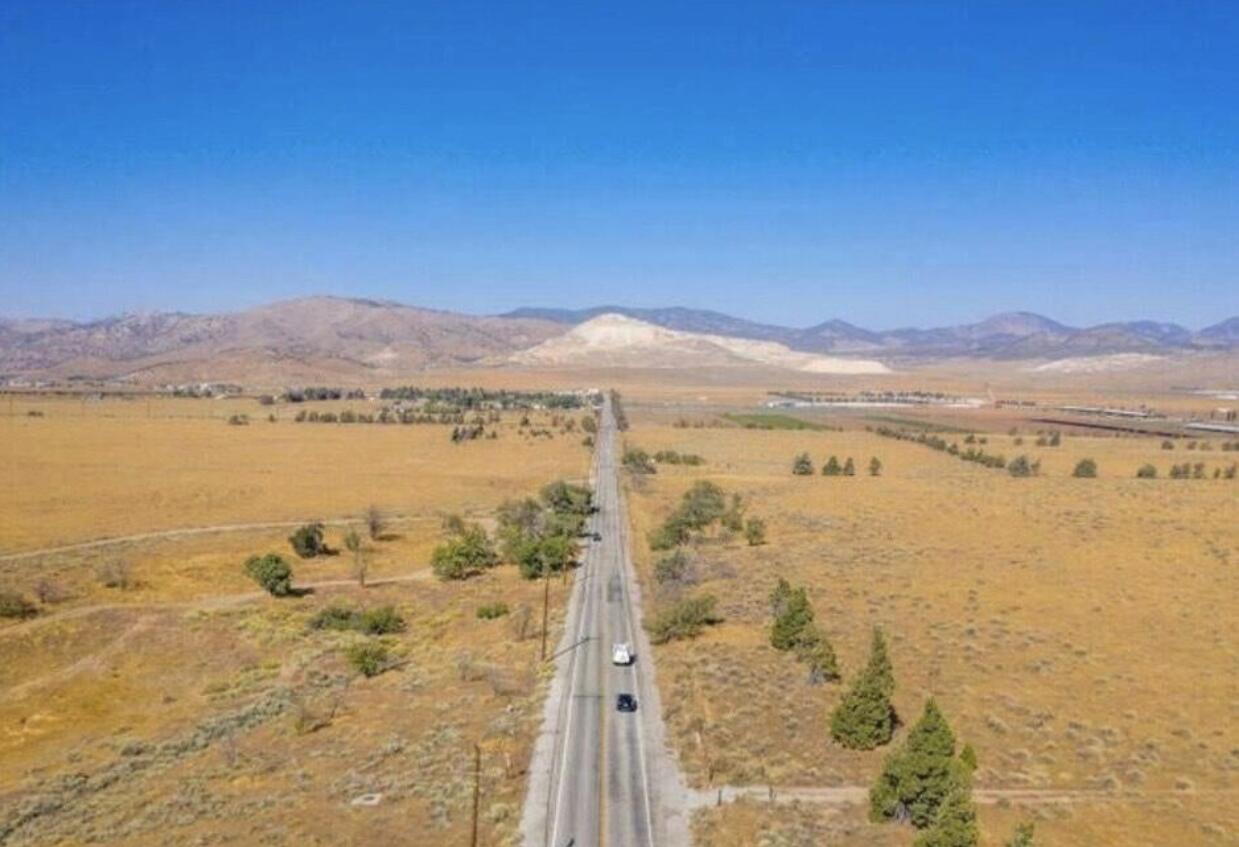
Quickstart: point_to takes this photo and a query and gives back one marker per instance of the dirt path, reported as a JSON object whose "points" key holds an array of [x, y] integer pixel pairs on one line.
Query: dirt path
{"points": [[854, 795], [186, 532], [200, 605]]}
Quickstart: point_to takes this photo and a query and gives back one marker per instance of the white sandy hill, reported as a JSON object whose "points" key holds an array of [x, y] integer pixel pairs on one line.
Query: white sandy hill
{"points": [[617, 341], [1098, 364]]}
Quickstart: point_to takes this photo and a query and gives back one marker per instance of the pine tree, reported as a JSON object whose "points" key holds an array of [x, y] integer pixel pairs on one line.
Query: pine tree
{"points": [[880, 663], [875, 466], [849, 467], [803, 466], [919, 775], [864, 718], [955, 823], [832, 467], [795, 614]]}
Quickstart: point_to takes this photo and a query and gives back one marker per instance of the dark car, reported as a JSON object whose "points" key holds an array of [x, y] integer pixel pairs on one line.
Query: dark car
{"points": [[626, 703]]}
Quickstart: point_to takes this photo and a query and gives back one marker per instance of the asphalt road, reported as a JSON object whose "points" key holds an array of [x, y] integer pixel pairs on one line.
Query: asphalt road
{"points": [[600, 790]]}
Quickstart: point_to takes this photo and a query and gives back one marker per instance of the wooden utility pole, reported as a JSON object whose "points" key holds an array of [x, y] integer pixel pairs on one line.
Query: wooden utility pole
{"points": [[477, 790], [546, 602]]}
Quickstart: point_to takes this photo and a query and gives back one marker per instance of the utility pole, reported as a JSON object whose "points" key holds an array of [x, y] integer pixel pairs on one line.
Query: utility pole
{"points": [[546, 602], [477, 790]]}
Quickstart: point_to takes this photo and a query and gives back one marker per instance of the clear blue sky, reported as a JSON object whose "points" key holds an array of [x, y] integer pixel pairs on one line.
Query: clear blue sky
{"points": [[887, 163]]}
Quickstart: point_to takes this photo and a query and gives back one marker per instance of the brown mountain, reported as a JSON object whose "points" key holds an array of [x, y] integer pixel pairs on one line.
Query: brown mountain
{"points": [[307, 339]]}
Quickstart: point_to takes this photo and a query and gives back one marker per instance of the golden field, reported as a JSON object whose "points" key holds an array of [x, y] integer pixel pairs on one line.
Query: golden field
{"points": [[188, 707], [121, 467], [1081, 634]]}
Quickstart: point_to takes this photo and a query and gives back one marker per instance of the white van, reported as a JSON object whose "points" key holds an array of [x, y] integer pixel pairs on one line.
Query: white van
{"points": [[621, 654]]}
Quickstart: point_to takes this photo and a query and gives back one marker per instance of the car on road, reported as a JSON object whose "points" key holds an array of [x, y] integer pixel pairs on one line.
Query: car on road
{"points": [[621, 654], [626, 703]]}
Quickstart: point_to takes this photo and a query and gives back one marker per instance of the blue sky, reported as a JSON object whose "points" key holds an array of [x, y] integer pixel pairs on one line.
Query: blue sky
{"points": [[886, 163]]}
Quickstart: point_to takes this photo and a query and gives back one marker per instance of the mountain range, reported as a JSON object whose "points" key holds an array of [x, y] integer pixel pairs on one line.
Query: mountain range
{"points": [[1010, 335], [321, 338]]}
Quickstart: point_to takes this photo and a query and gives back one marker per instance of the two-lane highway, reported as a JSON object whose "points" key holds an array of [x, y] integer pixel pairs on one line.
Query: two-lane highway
{"points": [[599, 791]]}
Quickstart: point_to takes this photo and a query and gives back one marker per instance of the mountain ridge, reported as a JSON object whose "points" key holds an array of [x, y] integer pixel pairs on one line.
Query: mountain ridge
{"points": [[306, 337], [1006, 335]]}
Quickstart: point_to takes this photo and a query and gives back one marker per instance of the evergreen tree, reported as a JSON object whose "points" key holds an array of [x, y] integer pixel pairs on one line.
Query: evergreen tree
{"points": [[955, 823], [832, 467], [880, 663], [968, 758], [803, 465], [875, 467], [919, 775], [1023, 836], [795, 614], [864, 718], [816, 651], [849, 467]]}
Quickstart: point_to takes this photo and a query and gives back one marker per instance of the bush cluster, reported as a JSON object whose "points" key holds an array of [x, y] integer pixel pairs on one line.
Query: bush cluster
{"points": [[539, 535], [682, 619], [272, 573]]}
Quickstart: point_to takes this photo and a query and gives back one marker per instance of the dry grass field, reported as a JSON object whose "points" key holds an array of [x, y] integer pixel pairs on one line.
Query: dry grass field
{"points": [[189, 708], [111, 468], [1081, 634]]}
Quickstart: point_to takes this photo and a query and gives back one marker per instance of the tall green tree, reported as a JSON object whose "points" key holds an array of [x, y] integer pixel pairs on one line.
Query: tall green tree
{"points": [[917, 777], [803, 465], [795, 613], [865, 718], [832, 467]]}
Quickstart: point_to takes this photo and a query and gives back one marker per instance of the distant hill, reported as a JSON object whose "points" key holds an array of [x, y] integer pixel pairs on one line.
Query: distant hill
{"points": [[349, 339], [614, 340], [303, 339], [1010, 335]]}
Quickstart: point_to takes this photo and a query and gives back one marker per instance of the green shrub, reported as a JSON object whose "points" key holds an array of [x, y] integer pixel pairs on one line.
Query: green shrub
{"points": [[875, 466], [465, 554], [1021, 466], [803, 465], [495, 610], [755, 532], [382, 620], [369, 658], [14, 605], [682, 620], [1146, 472], [638, 461], [272, 573], [336, 618], [832, 467], [307, 542], [540, 555], [675, 569], [1085, 469]]}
